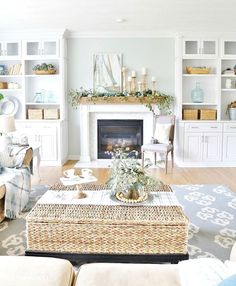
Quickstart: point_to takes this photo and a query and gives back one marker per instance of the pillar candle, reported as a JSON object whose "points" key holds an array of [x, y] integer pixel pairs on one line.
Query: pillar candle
{"points": [[144, 71], [139, 86]]}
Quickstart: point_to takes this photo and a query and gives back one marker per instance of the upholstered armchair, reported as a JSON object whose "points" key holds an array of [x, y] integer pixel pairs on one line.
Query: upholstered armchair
{"points": [[3, 189]]}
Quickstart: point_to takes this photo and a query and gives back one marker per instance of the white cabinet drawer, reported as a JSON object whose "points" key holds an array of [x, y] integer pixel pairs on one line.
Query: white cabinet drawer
{"points": [[230, 127], [203, 127]]}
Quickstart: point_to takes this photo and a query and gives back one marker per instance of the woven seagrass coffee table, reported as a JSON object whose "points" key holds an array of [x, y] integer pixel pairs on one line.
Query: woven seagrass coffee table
{"points": [[108, 233]]}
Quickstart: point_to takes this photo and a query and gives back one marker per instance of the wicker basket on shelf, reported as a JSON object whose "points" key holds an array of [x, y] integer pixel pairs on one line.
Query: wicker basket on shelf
{"points": [[208, 114], [190, 114], [45, 72], [198, 70]]}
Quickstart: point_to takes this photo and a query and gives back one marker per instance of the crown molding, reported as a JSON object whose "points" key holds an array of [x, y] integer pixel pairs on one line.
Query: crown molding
{"points": [[121, 34], [33, 33]]}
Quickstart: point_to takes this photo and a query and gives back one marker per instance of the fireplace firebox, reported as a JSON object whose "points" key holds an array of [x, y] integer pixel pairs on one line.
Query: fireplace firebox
{"points": [[125, 135]]}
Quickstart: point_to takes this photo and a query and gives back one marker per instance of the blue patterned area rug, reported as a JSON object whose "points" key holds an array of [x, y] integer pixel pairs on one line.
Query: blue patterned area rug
{"points": [[211, 210]]}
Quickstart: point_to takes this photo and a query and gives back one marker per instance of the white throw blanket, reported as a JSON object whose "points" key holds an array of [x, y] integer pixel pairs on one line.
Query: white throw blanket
{"points": [[205, 271], [17, 182]]}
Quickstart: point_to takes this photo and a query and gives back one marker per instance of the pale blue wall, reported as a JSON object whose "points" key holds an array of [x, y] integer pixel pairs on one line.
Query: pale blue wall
{"points": [[156, 54]]}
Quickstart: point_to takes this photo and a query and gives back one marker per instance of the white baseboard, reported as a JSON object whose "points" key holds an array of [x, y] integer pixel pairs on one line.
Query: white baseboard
{"points": [[73, 157]]}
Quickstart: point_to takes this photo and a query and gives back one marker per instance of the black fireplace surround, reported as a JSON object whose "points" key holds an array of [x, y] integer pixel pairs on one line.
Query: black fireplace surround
{"points": [[126, 135]]}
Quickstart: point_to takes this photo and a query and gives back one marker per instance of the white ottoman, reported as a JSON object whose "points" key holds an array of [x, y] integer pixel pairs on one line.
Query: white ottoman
{"points": [[118, 274], [35, 271]]}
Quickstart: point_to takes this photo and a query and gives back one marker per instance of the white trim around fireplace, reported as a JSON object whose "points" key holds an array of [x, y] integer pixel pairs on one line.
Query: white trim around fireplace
{"points": [[89, 114]]}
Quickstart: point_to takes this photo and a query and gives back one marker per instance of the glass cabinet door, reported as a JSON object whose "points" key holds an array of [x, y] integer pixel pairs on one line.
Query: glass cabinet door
{"points": [[208, 47], [229, 48], [200, 47], [191, 47], [33, 48], [12, 49], [49, 48], [1, 49], [42, 48]]}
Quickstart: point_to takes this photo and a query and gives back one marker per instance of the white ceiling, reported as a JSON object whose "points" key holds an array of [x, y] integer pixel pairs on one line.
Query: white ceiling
{"points": [[98, 16]]}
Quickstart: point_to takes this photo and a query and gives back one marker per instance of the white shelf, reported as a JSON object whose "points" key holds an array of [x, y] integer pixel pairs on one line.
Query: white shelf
{"points": [[199, 57], [11, 75], [203, 103], [40, 58], [228, 75], [229, 89], [199, 75], [41, 103], [44, 76], [11, 89]]}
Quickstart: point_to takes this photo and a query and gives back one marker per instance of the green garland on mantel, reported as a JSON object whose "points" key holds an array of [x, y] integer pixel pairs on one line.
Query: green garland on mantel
{"points": [[148, 98]]}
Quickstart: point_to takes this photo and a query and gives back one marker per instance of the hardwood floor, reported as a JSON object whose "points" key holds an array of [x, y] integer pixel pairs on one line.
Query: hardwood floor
{"points": [[223, 176]]}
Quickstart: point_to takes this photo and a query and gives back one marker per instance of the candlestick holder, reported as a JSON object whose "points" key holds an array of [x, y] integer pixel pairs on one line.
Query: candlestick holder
{"points": [[129, 87], [144, 82], [124, 82], [140, 86], [153, 86], [133, 86]]}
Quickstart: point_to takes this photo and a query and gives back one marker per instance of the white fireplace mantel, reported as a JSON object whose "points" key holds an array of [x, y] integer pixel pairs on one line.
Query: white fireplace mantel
{"points": [[90, 113]]}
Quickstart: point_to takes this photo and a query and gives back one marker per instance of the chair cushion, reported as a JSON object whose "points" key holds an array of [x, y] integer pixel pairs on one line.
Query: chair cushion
{"points": [[35, 271], [157, 147], [118, 274], [230, 281], [162, 132]]}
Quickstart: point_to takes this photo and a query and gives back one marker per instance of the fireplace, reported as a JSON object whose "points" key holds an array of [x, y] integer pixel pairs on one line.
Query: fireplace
{"points": [[126, 135]]}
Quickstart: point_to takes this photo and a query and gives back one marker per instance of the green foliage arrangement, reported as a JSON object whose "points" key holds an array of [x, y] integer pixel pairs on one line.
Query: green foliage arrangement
{"points": [[44, 67], [148, 98], [1, 96], [127, 173]]}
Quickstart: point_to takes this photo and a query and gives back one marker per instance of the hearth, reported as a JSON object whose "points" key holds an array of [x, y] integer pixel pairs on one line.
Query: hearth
{"points": [[126, 135]]}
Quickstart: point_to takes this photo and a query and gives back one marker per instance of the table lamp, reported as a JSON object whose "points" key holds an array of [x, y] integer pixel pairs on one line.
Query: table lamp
{"points": [[7, 125]]}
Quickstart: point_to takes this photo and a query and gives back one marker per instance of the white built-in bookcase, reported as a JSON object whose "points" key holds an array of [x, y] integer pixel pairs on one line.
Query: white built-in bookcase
{"points": [[24, 50], [205, 142], [218, 54]]}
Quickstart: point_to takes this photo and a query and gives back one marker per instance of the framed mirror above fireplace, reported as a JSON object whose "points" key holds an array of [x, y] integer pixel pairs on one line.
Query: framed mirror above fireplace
{"points": [[125, 135], [107, 76]]}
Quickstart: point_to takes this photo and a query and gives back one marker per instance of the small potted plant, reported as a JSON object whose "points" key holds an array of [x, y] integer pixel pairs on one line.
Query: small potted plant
{"points": [[128, 179], [43, 69], [231, 109]]}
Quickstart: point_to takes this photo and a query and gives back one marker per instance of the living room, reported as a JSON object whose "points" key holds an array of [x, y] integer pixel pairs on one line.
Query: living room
{"points": [[117, 144]]}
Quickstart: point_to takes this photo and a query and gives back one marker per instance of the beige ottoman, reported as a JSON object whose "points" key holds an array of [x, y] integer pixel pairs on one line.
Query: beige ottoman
{"points": [[35, 271], [117, 274]]}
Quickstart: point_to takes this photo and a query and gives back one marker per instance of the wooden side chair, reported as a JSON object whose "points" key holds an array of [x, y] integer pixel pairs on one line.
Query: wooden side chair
{"points": [[162, 147]]}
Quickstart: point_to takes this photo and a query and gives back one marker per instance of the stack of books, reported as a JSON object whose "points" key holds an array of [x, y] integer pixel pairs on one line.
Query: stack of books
{"points": [[15, 69]]}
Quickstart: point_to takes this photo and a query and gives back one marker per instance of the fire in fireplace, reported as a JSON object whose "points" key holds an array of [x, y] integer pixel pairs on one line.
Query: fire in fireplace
{"points": [[125, 135]]}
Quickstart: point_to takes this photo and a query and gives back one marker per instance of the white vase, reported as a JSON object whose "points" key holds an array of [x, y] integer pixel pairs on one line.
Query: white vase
{"points": [[228, 83]]}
